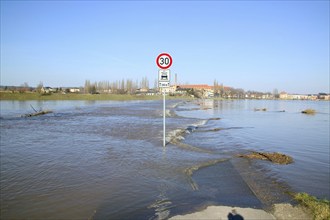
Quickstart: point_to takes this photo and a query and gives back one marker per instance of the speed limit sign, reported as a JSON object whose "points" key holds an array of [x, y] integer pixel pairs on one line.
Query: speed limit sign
{"points": [[164, 61]]}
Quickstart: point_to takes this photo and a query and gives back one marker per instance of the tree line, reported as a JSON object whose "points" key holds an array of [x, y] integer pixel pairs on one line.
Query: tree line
{"points": [[128, 86], [124, 86]]}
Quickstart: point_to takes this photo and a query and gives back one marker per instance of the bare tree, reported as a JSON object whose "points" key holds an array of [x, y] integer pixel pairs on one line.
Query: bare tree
{"points": [[276, 94], [24, 87], [216, 88], [93, 88], [155, 84], [87, 88], [39, 87]]}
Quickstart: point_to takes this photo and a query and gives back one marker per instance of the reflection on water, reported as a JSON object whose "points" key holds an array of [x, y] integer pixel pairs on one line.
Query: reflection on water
{"points": [[105, 159]]}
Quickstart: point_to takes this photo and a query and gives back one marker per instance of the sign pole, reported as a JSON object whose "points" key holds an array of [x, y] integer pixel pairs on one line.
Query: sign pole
{"points": [[164, 61], [164, 113]]}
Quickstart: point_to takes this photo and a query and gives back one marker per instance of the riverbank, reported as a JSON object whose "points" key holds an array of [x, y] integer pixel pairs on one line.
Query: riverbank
{"points": [[73, 96], [117, 97]]}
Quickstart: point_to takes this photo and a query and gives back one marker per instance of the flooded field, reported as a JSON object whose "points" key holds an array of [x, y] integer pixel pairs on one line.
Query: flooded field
{"points": [[105, 160]]}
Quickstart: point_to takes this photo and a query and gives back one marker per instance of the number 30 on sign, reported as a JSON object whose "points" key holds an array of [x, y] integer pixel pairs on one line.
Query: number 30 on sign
{"points": [[164, 61]]}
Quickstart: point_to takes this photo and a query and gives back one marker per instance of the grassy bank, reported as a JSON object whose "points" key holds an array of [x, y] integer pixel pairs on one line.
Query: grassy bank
{"points": [[72, 96], [319, 208]]}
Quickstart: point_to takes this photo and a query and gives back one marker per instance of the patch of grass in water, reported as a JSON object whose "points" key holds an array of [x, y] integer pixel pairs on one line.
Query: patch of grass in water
{"points": [[319, 207], [273, 157], [309, 111]]}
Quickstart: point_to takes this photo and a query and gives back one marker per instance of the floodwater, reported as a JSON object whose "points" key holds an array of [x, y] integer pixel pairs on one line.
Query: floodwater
{"points": [[105, 160]]}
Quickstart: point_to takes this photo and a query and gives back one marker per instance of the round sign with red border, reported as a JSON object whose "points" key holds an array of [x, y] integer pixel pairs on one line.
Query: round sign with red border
{"points": [[164, 61]]}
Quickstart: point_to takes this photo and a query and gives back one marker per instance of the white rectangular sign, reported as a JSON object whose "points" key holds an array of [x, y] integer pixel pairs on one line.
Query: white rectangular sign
{"points": [[163, 84], [164, 75]]}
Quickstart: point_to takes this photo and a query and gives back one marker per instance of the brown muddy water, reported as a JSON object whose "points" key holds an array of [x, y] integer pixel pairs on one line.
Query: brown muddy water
{"points": [[105, 160]]}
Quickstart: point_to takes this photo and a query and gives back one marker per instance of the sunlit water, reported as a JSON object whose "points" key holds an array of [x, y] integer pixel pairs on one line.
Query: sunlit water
{"points": [[105, 160]]}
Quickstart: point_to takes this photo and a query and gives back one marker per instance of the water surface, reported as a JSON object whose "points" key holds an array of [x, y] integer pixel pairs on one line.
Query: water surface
{"points": [[104, 159]]}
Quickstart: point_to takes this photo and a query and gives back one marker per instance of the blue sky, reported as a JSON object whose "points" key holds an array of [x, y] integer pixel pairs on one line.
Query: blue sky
{"points": [[254, 45]]}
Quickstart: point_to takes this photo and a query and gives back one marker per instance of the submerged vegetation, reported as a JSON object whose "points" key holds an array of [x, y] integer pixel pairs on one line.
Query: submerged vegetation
{"points": [[272, 157], [37, 113], [214, 119], [319, 208], [190, 171], [309, 111]]}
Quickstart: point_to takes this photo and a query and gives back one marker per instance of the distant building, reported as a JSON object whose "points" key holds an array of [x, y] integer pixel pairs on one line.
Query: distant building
{"points": [[283, 95], [142, 90], [47, 90], [204, 90], [181, 91], [208, 94], [323, 96], [151, 92], [312, 97], [197, 87], [146, 91], [74, 90]]}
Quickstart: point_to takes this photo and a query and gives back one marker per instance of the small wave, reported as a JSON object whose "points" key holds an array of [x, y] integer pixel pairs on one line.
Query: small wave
{"points": [[220, 129], [175, 137], [209, 130], [5, 118], [191, 129], [213, 119], [162, 209], [169, 113], [200, 123], [177, 104], [188, 109], [190, 147], [178, 134], [162, 205]]}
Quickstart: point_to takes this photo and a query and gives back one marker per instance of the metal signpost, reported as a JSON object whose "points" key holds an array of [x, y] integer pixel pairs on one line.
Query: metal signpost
{"points": [[164, 61]]}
